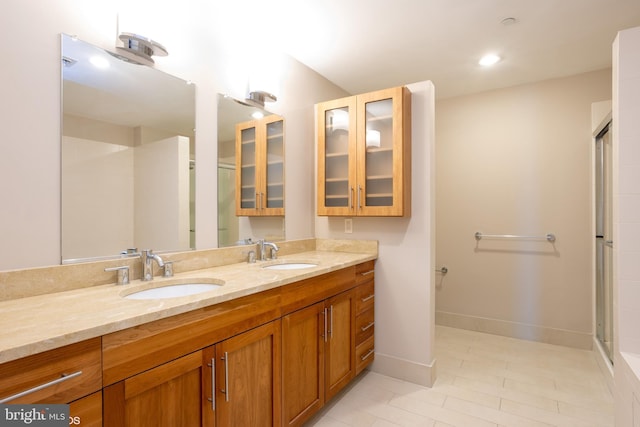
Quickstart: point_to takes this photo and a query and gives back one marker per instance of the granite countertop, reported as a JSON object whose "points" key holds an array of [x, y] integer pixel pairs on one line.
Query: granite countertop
{"points": [[44, 322]]}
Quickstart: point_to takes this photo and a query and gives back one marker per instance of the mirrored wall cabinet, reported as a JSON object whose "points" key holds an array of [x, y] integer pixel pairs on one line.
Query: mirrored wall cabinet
{"points": [[364, 154], [260, 167]]}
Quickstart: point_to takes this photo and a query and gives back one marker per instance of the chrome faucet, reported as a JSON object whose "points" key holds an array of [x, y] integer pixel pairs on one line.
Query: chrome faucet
{"points": [[262, 256], [147, 263], [274, 249]]}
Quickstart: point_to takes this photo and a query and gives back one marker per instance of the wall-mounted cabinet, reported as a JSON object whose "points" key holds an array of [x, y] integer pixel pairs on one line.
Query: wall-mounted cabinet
{"points": [[364, 154], [260, 167]]}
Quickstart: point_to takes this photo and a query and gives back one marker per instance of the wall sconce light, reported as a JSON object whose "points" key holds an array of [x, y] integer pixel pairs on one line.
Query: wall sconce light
{"points": [[259, 97], [140, 49]]}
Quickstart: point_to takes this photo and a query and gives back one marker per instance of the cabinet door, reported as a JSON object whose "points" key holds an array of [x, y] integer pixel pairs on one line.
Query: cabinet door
{"points": [[248, 378], [336, 186], [272, 194], [260, 167], [86, 412], [383, 153], [303, 341], [340, 347], [168, 395], [247, 177]]}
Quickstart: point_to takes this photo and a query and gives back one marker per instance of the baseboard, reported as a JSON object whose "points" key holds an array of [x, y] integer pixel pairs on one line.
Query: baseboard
{"points": [[406, 370], [524, 331]]}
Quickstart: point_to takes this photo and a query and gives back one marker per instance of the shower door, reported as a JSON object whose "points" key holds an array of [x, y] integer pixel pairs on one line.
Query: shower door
{"points": [[604, 242]]}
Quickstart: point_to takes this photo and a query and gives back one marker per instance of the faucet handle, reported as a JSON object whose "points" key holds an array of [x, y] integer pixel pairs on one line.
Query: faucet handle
{"points": [[168, 269], [123, 273]]}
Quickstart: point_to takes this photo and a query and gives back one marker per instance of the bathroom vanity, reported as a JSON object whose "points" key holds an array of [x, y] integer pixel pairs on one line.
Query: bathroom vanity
{"points": [[270, 346]]}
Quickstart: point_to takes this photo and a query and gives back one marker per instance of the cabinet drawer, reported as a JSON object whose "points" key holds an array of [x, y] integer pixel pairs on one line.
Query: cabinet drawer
{"points": [[364, 326], [364, 272], [55, 376], [365, 296], [365, 354]]}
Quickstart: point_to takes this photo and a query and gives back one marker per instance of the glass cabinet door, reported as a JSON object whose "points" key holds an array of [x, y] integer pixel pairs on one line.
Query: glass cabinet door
{"points": [[336, 157], [383, 156], [260, 167], [246, 176], [272, 196]]}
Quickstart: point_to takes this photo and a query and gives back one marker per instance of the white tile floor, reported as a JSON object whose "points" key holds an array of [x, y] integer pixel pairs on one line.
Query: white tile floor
{"points": [[483, 380]]}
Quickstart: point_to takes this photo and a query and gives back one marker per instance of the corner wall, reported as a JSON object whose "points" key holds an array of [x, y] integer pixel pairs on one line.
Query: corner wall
{"points": [[518, 161], [626, 225], [404, 272]]}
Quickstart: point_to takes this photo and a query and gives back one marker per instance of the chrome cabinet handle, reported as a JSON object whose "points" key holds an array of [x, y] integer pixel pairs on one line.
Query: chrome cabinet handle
{"points": [[63, 378], [366, 273], [331, 321], [370, 297], [257, 201], [324, 313], [364, 328], [369, 353], [213, 383], [226, 376], [262, 204], [351, 197], [359, 196]]}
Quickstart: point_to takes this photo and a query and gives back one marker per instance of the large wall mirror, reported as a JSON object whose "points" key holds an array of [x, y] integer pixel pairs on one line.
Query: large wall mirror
{"points": [[234, 229], [128, 156]]}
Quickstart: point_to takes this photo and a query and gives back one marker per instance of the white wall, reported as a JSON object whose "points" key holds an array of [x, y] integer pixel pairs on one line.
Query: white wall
{"points": [[518, 161], [405, 268], [626, 227], [205, 46]]}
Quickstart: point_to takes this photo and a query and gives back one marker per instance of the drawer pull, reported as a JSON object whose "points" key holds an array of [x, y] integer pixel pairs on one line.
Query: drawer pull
{"points": [[364, 328], [369, 353], [370, 297], [366, 273], [63, 378]]}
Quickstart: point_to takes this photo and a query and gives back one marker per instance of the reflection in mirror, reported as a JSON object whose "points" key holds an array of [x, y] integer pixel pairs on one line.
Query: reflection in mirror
{"points": [[233, 229], [128, 157]]}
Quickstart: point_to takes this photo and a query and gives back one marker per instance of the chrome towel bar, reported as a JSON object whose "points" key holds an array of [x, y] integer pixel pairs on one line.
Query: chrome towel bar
{"points": [[549, 237]]}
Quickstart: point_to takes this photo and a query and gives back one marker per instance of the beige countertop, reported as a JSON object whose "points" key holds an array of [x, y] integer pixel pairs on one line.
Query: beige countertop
{"points": [[39, 323]]}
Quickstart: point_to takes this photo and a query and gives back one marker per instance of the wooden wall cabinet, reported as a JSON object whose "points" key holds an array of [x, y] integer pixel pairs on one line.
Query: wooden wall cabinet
{"points": [[364, 154], [260, 167]]}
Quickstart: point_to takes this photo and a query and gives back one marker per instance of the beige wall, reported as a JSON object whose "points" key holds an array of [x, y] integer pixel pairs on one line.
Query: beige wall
{"points": [[518, 161], [626, 227], [204, 47]]}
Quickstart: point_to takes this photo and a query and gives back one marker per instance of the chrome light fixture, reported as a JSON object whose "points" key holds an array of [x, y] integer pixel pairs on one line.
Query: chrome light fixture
{"points": [[258, 98], [140, 49]]}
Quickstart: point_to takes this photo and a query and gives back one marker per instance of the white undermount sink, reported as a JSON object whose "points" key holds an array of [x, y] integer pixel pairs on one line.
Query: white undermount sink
{"points": [[174, 289], [290, 266]]}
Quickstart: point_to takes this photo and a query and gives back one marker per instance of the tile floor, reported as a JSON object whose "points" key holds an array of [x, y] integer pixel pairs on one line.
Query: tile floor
{"points": [[483, 380]]}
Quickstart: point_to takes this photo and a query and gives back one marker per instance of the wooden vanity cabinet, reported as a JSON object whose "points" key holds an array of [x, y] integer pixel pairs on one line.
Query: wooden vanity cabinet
{"points": [[365, 316], [364, 154], [260, 167], [234, 382], [318, 345], [71, 375]]}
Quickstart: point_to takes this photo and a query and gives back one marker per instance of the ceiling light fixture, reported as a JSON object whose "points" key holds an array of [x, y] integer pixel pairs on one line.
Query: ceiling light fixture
{"points": [[489, 60]]}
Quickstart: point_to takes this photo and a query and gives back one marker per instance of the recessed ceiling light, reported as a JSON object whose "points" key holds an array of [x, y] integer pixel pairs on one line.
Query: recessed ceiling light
{"points": [[489, 60]]}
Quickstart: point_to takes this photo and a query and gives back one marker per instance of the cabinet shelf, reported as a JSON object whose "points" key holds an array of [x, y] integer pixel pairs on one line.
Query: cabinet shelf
{"points": [[339, 154]]}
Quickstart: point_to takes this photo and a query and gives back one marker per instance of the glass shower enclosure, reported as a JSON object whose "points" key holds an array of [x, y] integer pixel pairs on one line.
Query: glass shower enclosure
{"points": [[604, 240]]}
